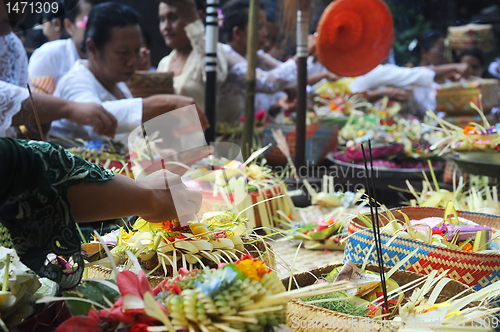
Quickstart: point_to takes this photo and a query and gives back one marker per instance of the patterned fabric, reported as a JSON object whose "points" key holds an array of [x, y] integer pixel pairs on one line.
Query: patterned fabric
{"points": [[35, 177]]}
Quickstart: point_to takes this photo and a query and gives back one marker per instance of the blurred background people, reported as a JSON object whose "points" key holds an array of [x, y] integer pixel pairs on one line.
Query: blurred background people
{"points": [[113, 40], [183, 30]]}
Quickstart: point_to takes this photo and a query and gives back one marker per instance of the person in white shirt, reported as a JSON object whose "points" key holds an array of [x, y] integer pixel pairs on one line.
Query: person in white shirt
{"points": [[54, 59], [183, 30], [15, 106], [113, 41], [271, 75]]}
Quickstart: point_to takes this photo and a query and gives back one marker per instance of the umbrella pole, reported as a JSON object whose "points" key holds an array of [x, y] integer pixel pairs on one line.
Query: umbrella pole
{"points": [[211, 39], [248, 125], [302, 53]]}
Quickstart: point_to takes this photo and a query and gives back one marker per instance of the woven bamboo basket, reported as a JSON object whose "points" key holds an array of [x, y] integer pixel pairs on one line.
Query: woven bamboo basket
{"points": [[474, 269], [267, 255], [321, 139], [145, 83], [316, 318], [101, 272], [455, 98]]}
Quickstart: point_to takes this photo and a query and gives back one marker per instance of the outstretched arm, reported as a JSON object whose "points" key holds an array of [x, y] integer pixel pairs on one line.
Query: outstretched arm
{"points": [[52, 108], [123, 197]]}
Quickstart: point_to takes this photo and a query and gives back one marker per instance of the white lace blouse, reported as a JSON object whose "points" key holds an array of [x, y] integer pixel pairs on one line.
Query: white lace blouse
{"points": [[13, 79], [191, 82], [80, 85]]}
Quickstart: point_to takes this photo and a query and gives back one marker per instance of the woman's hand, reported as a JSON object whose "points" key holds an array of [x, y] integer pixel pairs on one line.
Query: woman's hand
{"points": [[396, 94], [170, 198], [104, 123], [462, 70], [144, 61]]}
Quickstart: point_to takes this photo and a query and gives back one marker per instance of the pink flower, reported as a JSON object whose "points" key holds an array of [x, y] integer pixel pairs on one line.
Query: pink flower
{"points": [[183, 272], [133, 289], [260, 116]]}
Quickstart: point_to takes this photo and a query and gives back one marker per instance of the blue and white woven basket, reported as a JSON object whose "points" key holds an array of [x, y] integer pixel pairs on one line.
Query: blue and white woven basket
{"points": [[470, 268]]}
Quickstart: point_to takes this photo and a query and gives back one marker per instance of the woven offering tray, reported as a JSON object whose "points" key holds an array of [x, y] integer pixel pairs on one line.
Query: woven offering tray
{"points": [[474, 269], [144, 83], [101, 272], [298, 311]]}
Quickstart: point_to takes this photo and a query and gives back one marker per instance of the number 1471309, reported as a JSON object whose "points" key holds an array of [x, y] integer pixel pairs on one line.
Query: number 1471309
{"points": [[21, 7]]}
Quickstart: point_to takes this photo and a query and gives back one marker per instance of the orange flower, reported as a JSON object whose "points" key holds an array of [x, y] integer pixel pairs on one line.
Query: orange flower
{"points": [[253, 269], [470, 130], [467, 247]]}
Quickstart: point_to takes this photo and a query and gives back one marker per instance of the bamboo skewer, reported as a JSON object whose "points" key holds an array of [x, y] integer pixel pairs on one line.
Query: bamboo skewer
{"points": [[248, 125], [35, 111]]}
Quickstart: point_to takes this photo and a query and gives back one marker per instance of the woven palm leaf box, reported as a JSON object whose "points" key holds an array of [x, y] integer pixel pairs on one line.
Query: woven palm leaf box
{"points": [[473, 269], [303, 317]]}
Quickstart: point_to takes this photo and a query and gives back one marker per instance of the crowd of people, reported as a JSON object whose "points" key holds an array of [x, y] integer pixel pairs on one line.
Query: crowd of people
{"points": [[105, 45], [79, 74]]}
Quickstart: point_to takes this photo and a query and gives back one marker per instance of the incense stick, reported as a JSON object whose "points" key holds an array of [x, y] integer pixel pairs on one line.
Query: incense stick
{"points": [[147, 142], [376, 232], [35, 111], [381, 259]]}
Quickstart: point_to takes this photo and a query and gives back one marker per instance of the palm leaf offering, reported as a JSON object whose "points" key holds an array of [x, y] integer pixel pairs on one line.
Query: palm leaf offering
{"points": [[20, 287], [237, 186], [398, 141], [109, 155], [480, 197], [240, 296], [164, 248], [474, 137], [435, 301]]}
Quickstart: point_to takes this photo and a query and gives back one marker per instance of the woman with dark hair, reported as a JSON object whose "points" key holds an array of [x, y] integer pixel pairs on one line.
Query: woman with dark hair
{"points": [[54, 59], [474, 57], [183, 30], [16, 108], [113, 40], [52, 23], [432, 49]]}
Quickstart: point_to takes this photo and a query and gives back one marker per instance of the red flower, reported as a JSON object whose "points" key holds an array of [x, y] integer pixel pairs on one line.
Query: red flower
{"points": [[139, 328], [89, 323], [167, 285], [437, 232]]}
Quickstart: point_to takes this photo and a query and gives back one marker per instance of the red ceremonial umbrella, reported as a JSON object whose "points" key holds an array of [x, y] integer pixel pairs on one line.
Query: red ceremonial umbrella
{"points": [[354, 36]]}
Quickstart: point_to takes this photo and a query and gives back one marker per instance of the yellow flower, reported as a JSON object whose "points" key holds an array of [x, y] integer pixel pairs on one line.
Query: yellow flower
{"points": [[254, 270]]}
